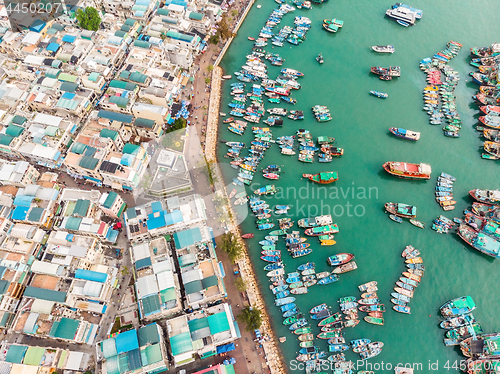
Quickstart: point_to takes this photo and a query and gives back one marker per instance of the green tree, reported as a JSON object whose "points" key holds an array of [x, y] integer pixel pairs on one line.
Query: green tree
{"points": [[207, 80], [224, 31], [251, 317], [240, 284], [214, 39], [234, 12], [231, 246], [179, 124], [88, 18], [210, 68]]}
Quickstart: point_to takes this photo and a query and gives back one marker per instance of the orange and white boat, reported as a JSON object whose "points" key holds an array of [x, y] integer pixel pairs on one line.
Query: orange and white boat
{"points": [[408, 170]]}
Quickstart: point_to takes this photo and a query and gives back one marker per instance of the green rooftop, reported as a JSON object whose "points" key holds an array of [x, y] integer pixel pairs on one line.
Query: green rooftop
{"points": [[108, 133], [14, 131], [88, 162], [108, 203], [64, 329]]}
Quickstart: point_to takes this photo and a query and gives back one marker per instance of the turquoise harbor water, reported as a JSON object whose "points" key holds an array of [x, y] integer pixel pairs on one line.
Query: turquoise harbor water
{"points": [[360, 125]]}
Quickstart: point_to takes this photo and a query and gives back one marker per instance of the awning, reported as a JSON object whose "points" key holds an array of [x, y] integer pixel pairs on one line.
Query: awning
{"points": [[226, 348]]}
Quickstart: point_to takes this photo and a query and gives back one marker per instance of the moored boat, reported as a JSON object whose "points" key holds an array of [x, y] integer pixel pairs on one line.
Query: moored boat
{"points": [[408, 170]]}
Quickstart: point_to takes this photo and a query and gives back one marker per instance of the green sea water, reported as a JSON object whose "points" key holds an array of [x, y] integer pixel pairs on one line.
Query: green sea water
{"points": [[360, 125]]}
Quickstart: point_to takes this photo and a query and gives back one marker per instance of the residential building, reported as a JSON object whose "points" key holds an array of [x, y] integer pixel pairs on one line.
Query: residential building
{"points": [[112, 204], [36, 205], [134, 351], [18, 173], [124, 170], [164, 217], [157, 284], [202, 333], [46, 139], [33, 359], [201, 273], [119, 97]]}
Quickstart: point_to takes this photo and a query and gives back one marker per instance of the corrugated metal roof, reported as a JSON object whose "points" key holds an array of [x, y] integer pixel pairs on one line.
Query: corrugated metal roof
{"points": [[148, 335], [163, 12], [130, 22], [110, 200], [119, 100], [193, 287], [93, 77], [42, 293], [144, 122], [181, 343], [14, 130], [126, 341], [78, 148], [18, 120], [114, 116], [81, 208], [196, 16], [5, 139], [138, 77], [67, 104], [90, 275], [130, 148], [73, 223], [122, 85], [65, 328], [67, 77], [68, 87], [88, 162], [35, 214], [218, 322], [108, 133], [142, 44]]}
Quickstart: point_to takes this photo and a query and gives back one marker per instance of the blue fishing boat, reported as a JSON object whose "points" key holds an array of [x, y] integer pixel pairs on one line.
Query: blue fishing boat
{"points": [[287, 307], [301, 252], [306, 266], [405, 134], [282, 294], [329, 279], [290, 313], [294, 275], [382, 95], [444, 189], [279, 289], [265, 226], [274, 266], [402, 309], [359, 342], [292, 280], [267, 242], [271, 237], [284, 301], [318, 308], [338, 347], [268, 252], [297, 325], [271, 258], [325, 313]]}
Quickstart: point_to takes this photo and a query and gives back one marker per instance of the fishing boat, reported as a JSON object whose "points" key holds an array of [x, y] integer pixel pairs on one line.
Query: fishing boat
{"points": [[405, 134], [328, 279], [374, 320], [416, 223], [337, 347], [323, 177], [306, 337], [408, 170], [461, 305], [479, 240], [340, 259], [322, 230], [358, 343], [247, 236], [401, 210], [318, 308], [345, 268], [391, 71], [328, 334], [372, 301], [271, 258], [379, 94], [319, 58], [486, 196], [383, 48], [396, 218]]}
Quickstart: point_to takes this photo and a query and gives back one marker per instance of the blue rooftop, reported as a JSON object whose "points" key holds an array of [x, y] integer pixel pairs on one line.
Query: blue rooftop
{"points": [[53, 47], [69, 38], [23, 200], [20, 213], [91, 275], [126, 341], [174, 217], [156, 206]]}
